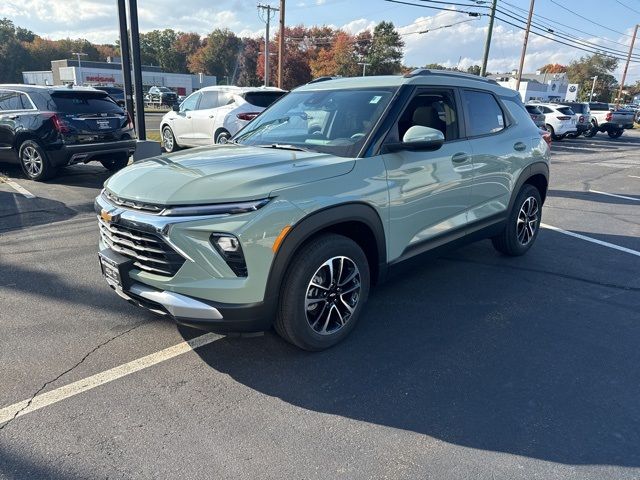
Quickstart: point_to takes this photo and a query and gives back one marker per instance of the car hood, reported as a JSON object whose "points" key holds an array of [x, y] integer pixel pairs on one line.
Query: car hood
{"points": [[222, 173]]}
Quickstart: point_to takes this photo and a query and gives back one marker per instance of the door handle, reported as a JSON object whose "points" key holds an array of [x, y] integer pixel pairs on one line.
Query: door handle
{"points": [[519, 146], [12, 117], [211, 116], [460, 157], [188, 116]]}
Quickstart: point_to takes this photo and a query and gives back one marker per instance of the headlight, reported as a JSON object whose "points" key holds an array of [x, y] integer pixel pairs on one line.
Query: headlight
{"points": [[230, 250], [215, 209]]}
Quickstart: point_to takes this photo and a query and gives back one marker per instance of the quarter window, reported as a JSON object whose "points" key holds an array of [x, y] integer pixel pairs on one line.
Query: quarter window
{"points": [[14, 101], [484, 113], [209, 100]]}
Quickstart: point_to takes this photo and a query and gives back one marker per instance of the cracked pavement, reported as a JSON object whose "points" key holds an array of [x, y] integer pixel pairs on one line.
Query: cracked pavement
{"points": [[469, 366]]}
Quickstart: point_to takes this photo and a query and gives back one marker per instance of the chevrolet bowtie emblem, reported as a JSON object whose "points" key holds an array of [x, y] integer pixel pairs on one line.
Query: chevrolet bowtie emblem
{"points": [[106, 216]]}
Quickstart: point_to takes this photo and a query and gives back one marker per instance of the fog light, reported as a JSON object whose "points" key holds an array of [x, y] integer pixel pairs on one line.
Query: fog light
{"points": [[230, 250], [228, 244]]}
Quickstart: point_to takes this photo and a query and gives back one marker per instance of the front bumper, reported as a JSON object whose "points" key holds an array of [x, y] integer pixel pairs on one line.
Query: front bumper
{"points": [[83, 153]]}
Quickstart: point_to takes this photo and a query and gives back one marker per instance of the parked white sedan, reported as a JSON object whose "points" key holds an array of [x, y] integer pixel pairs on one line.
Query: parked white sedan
{"points": [[213, 113]]}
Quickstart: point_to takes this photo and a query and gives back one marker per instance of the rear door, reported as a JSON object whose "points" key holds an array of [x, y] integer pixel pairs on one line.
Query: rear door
{"points": [[14, 106], [89, 116], [204, 116], [501, 145]]}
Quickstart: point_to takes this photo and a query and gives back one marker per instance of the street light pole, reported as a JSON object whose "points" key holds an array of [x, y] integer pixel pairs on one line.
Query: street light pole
{"points": [[524, 46], [487, 44], [79, 54], [364, 68], [593, 87], [626, 65]]}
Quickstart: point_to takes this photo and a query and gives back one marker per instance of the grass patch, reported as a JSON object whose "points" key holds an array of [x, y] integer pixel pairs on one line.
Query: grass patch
{"points": [[154, 136]]}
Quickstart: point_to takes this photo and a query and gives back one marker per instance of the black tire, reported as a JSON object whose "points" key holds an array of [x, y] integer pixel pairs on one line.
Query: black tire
{"points": [[592, 131], [552, 132], [118, 162], [34, 161], [304, 323], [222, 134], [169, 142], [511, 240], [615, 133]]}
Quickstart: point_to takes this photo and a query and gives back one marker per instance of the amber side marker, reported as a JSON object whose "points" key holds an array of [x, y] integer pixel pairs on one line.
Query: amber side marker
{"points": [[280, 238]]}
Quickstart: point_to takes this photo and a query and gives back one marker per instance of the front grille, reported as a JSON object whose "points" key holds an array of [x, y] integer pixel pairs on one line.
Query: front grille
{"points": [[149, 251]]}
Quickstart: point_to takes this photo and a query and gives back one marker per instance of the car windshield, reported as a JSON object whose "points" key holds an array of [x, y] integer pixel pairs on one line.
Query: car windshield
{"points": [[165, 89], [329, 121], [566, 111]]}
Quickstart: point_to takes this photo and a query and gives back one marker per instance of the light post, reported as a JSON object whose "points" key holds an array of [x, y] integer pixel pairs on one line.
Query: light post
{"points": [[593, 87], [364, 68], [79, 54]]}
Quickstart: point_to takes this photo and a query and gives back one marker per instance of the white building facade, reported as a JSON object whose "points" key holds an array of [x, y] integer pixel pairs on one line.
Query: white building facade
{"points": [[544, 87]]}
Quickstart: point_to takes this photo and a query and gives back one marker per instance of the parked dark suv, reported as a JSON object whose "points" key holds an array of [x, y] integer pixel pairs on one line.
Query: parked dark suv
{"points": [[162, 96], [44, 128], [116, 93]]}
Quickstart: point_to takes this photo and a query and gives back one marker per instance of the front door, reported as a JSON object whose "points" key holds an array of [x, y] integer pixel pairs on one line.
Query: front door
{"points": [[182, 123], [204, 117], [429, 191]]}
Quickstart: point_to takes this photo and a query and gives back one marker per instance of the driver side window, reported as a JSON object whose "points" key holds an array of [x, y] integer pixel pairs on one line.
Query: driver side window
{"points": [[434, 109], [190, 103]]}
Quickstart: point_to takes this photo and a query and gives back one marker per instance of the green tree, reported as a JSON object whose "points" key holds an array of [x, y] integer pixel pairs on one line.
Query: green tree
{"points": [[13, 56], [435, 66], [219, 54], [583, 70], [474, 69], [385, 55]]}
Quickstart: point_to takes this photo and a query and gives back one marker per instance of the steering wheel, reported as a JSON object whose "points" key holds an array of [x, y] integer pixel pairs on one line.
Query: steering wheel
{"points": [[355, 136]]}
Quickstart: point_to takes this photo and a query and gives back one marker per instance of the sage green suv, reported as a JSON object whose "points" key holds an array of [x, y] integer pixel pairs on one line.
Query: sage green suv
{"points": [[291, 222]]}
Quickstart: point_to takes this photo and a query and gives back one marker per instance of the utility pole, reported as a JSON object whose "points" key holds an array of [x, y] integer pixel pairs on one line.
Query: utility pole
{"points": [[266, 18], [281, 44], [487, 43], [79, 54], [626, 65], [593, 87], [364, 68], [524, 46]]}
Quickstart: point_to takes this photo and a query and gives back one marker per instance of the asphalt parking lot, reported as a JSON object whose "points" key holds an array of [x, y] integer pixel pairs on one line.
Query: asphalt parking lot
{"points": [[470, 366]]}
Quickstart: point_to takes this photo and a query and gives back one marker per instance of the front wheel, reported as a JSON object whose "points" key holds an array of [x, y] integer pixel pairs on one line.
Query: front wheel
{"points": [[615, 133], [169, 140], [592, 131], [34, 161], [523, 223], [324, 291], [552, 132]]}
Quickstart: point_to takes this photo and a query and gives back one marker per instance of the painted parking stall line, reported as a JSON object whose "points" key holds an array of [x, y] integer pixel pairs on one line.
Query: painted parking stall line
{"points": [[615, 195], [18, 188], [592, 240], [54, 396]]}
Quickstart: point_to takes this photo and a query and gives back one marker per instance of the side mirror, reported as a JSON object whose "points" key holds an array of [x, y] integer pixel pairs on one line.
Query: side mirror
{"points": [[175, 107], [418, 138]]}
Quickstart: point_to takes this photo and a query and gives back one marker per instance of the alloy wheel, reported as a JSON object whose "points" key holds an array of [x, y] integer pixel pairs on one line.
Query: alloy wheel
{"points": [[32, 161], [167, 139], [332, 295], [527, 222]]}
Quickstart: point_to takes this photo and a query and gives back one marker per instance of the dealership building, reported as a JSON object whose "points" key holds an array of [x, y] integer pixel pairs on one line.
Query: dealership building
{"points": [[544, 87], [109, 73]]}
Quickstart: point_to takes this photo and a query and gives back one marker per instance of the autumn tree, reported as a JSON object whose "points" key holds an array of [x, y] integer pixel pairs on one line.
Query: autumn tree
{"points": [[185, 46], [248, 64], [553, 68], [385, 54]]}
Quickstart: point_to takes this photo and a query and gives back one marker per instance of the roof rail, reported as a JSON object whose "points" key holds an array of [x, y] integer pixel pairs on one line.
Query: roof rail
{"points": [[322, 79], [419, 72]]}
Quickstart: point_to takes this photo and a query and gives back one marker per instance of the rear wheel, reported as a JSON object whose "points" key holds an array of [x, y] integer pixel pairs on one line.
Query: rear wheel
{"points": [[324, 291], [592, 131], [168, 140], [552, 132], [34, 161], [522, 225], [118, 162], [222, 137], [615, 133]]}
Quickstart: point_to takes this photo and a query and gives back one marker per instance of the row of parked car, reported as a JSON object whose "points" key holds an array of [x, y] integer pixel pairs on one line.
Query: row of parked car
{"points": [[572, 119]]}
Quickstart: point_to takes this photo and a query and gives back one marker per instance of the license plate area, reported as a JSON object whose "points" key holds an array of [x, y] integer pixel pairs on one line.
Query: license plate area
{"points": [[115, 269]]}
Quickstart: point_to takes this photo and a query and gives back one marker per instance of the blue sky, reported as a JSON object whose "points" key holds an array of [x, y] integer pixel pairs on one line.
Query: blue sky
{"points": [[460, 44]]}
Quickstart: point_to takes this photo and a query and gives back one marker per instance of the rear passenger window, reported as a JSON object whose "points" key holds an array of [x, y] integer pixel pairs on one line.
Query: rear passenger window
{"points": [[485, 115], [209, 100], [14, 101]]}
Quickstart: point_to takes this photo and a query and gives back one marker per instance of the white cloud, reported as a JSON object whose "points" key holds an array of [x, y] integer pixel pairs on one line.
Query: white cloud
{"points": [[358, 26]]}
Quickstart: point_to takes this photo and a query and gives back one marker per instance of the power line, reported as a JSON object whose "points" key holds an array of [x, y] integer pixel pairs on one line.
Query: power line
{"points": [[471, 14], [589, 20], [626, 6], [441, 27]]}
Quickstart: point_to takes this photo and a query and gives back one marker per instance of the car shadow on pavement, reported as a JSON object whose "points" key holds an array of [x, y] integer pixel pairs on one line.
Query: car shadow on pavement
{"points": [[520, 363], [92, 175], [595, 197], [18, 212]]}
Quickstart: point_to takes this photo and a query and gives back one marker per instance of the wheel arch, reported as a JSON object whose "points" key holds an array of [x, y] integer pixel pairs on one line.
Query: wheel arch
{"points": [[358, 221], [536, 174], [218, 131], [21, 137]]}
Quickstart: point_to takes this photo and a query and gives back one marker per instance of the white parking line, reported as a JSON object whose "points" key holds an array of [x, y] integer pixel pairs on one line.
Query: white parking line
{"points": [[75, 388], [592, 240], [634, 176], [21, 190], [614, 195]]}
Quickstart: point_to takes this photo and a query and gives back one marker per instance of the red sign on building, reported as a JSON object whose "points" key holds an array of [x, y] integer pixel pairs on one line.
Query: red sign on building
{"points": [[100, 78]]}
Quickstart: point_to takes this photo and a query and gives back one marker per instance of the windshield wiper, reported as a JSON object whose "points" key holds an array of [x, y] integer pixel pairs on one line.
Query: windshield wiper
{"points": [[283, 146]]}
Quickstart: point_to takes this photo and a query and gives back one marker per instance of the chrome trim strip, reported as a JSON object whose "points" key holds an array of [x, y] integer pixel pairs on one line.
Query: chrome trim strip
{"points": [[176, 304]]}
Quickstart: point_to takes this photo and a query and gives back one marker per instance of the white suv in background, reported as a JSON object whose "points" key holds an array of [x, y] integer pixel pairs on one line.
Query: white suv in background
{"points": [[560, 120], [213, 113]]}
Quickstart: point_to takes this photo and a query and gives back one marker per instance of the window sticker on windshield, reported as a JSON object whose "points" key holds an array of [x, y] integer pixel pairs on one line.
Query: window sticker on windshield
{"points": [[376, 99], [500, 121]]}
